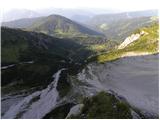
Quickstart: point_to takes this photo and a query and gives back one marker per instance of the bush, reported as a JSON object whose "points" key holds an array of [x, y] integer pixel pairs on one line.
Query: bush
{"points": [[104, 106]]}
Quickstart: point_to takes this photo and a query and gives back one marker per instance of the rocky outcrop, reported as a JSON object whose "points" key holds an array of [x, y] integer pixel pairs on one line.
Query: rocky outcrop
{"points": [[75, 110], [131, 39]]}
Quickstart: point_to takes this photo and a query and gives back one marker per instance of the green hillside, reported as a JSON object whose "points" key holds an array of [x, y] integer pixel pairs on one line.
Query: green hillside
{"points": [[36, 56], [18, 45], [147, 43], [60, 26]]}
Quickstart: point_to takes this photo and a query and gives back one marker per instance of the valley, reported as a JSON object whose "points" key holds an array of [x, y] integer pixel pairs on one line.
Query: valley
{"points": [[103, 67]]}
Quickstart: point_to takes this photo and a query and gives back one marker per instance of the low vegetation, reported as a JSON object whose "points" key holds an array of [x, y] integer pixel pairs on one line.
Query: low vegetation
{"points": [[104, 106]]}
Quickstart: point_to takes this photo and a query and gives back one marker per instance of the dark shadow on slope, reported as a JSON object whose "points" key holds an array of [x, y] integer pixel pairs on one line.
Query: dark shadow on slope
{"points": [[59, 112], [36, 57]]}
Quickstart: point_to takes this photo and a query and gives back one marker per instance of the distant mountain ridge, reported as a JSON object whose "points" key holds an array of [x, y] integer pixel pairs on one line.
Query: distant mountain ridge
{"points": [[20, 23], [118, 26], [54, 25], [124, 15], [59, 25]]}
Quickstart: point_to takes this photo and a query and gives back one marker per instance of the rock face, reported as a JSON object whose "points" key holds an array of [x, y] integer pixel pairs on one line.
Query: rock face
{"points": [[131, 39]]}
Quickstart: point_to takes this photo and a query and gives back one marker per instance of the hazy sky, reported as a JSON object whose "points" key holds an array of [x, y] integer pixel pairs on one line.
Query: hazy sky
{"points": [[6, 5]]}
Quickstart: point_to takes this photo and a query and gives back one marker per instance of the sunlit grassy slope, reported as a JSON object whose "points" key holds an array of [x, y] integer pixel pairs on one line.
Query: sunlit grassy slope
{"points": [[147, 43]]}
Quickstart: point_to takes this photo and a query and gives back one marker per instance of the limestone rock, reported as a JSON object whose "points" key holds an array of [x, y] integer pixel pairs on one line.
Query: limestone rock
{"points": [[131, 39], [75, 110]]}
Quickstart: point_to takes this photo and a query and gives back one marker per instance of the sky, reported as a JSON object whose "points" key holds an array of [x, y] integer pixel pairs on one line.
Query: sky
{"points": [[124, 5]]}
